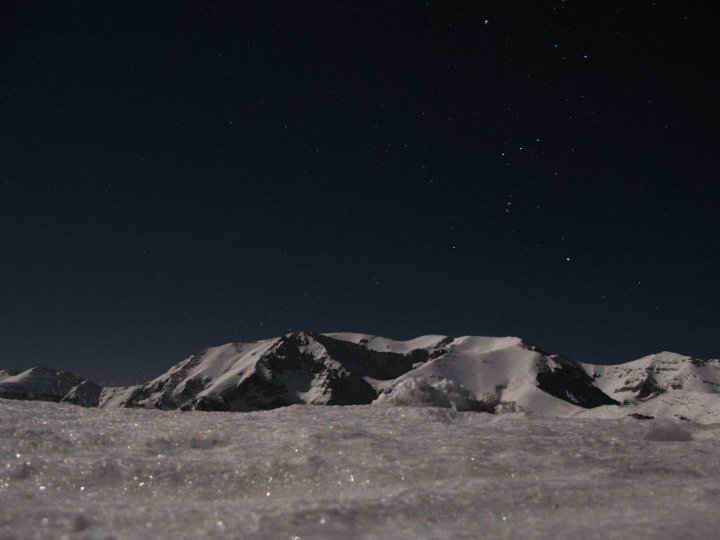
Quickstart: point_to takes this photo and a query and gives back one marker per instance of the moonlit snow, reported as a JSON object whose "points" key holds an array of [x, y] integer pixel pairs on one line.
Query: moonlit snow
{"points": [[361, 471]]}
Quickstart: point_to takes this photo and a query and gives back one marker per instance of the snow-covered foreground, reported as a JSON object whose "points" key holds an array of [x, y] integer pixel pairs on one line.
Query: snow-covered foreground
{"points": [[362, 471]]}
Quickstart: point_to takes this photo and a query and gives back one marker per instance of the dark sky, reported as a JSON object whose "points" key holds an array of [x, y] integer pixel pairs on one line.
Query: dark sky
{"points": [[175, 175]]}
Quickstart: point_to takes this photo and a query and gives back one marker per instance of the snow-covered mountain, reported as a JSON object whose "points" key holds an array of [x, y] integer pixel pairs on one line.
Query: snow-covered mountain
{"points": [[49, 385], [501, 372], [657, 374], [297, 368], [663, 385], [475, 373], [467, 373]]}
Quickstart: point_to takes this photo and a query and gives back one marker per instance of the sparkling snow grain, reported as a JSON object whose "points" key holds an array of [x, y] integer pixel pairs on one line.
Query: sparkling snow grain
{"points": [[339, 472]]}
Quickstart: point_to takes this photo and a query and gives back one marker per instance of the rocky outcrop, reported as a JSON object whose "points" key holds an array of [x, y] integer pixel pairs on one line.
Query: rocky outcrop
{"points": [[567, 380]]}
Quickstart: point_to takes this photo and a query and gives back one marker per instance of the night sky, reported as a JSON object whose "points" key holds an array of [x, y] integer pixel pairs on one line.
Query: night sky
{"points": [[176, 175]]}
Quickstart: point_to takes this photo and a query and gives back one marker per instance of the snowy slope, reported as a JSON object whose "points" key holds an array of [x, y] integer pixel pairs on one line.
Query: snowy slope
{"points": [[675, 405], [656, 374], [115, 396], [501, 371], [664, 385], [44, 384]]}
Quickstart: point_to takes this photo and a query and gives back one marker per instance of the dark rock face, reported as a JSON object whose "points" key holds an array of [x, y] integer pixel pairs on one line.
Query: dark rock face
{"points": [[649, 387], [639, 416], [570, 383], [348, 388], [369, 363], [87, 394], [45, 384]]}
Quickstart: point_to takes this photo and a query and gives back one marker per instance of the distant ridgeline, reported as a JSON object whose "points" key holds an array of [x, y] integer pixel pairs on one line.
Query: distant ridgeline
{"points": [[467, 373]]}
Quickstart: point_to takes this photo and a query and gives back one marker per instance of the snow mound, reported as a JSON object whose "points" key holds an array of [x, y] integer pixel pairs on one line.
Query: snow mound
{"points": [[420, 391], [668, 432]]}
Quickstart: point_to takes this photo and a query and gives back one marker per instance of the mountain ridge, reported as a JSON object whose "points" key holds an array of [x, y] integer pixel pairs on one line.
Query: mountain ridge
{"points": [[481, 373]]}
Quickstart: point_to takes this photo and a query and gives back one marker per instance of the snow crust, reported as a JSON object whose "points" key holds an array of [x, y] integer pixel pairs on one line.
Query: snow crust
{"points": [[351, 472]]}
